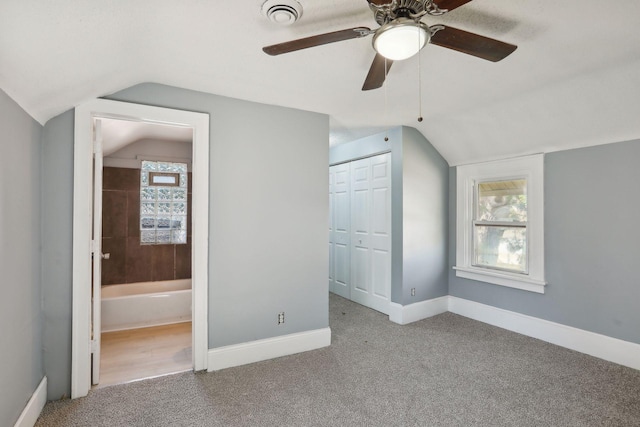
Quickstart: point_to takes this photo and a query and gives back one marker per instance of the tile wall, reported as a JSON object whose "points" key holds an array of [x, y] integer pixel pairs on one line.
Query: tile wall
{"points": [[129, 261]]}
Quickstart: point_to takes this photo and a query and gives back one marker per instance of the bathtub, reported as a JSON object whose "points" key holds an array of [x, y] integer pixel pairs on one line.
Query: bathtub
{"points": [[139, 305]]}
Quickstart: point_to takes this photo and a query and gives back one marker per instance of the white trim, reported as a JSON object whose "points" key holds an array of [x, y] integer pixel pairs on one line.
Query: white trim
{"points": [[502, 279], [82, 181], [611, 349], [270, 348], [404, 314], [34, 407], [530, 167]]}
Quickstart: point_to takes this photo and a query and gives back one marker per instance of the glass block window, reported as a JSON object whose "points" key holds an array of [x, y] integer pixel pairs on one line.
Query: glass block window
{"points": [[163, 203]]}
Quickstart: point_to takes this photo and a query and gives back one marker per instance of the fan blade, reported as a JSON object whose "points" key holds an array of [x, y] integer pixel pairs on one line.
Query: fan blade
{"points": [[336, 36], [472, 44], [377, 72], [442, 4], [450, 4]]}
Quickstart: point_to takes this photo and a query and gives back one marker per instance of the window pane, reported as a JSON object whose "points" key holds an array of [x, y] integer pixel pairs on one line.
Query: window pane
{"points": [[147, 209], [179, 236], [164, 193], [148, 236], [164, 208], [163, 237], [501, 247], [164, 222], [179, 208], [179, 222], [147, 222], [148, 193], [179, 194], [502, 201]]}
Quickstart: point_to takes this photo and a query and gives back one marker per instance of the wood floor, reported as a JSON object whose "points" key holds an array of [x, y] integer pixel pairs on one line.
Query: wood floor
{"points": [[143, 353]]}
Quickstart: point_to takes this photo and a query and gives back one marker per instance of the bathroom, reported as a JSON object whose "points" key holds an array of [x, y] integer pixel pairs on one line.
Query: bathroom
{"points": [[146, 245]]}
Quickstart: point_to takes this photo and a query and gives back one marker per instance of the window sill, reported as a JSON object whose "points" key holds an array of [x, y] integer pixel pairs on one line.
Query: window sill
{"points": [[502, 279]]}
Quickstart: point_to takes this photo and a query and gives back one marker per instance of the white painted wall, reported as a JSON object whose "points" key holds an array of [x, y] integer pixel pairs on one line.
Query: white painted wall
{"points": [[150, 149]]}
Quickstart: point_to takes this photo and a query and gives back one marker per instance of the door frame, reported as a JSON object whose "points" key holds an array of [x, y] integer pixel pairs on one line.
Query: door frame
{"points": [[82, 225]]}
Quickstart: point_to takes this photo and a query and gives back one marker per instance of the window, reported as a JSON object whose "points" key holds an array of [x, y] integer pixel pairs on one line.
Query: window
{"points": [[163, 203], [500, 225], [500, 235]]}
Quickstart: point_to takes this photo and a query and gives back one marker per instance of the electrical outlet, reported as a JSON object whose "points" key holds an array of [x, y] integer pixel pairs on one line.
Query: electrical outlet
{"points": [[413, 292], [281, 318]]}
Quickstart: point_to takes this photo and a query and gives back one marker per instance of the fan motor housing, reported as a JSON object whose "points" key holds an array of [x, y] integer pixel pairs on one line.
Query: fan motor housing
{"points": [[282, 12], [382, 15]]}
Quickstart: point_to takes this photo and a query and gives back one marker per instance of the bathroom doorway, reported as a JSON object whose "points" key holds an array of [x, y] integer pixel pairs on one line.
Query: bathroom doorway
{"points": [[145, 310], [86, 313]]}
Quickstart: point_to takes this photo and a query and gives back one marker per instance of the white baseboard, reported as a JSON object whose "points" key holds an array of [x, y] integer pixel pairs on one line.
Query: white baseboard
{"points": [[32, 411], [270, 348], [404, 314], [612, 349]]}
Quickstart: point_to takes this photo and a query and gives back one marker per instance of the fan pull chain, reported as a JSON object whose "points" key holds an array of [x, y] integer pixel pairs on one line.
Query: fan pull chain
{"points": [[386, 102], [419, 82]]}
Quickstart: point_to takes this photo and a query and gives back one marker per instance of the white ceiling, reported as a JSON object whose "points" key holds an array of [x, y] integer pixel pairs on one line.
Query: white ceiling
{"points": [[573, 81], [117, 134]]}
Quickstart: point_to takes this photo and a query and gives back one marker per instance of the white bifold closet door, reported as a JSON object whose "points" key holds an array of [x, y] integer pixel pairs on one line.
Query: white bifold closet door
{"points": [[366, 219], [339, 231]]}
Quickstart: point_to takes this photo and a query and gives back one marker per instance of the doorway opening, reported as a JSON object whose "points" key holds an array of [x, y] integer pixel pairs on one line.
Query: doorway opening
{"points": [[145, 280], [90, 254]]}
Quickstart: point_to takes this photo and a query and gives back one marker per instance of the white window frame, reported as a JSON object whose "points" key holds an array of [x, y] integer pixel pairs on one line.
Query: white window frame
{"points": [[532, 169]]}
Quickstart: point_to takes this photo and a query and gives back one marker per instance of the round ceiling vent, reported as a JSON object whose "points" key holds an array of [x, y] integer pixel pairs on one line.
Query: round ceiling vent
{"points": [[282, 12]]}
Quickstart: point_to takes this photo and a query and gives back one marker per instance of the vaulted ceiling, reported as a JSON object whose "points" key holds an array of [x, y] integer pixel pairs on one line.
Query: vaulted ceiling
{"points": [[573, 81]]}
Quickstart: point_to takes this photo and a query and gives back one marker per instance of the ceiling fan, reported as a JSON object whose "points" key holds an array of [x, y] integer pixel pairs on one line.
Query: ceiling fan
{"points": [[402, 34]]}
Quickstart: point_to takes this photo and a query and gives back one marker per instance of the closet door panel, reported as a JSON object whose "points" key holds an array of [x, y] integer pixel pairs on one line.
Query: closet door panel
{"points": [[360, 274], [339, 230], [381, 274], [370, 237], [380, 246], [342, 269]]}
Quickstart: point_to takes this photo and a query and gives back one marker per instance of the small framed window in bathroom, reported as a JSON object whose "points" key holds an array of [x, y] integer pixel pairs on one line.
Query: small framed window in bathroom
{"points": [[163, 203]]}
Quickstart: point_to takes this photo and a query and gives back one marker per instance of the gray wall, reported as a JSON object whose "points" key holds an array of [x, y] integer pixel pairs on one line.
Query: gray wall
{"points": [[425, 181], [21, 367], [592, 204], [419, 211], [268, 219], [57, 240]]}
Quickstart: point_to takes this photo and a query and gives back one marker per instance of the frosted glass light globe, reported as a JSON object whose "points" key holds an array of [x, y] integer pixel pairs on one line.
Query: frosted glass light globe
{"points": [[400, 39]]}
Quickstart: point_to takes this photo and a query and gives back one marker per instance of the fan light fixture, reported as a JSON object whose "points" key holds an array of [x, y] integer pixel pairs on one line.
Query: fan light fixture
{"points": [[401, 38]]}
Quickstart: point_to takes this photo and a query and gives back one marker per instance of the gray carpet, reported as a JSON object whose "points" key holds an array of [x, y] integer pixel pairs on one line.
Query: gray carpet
{"points": [[444, 371]]}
